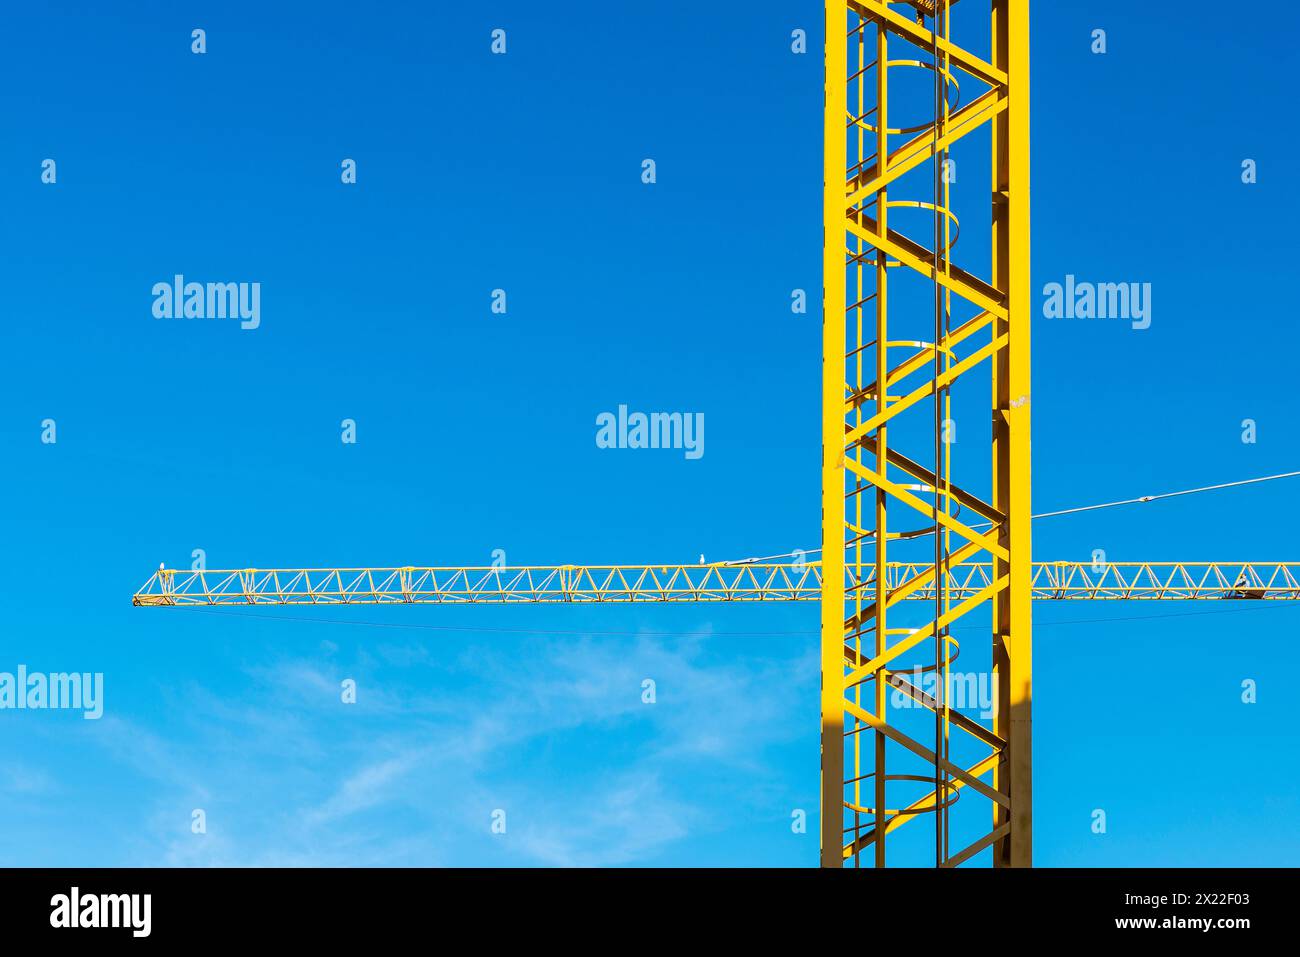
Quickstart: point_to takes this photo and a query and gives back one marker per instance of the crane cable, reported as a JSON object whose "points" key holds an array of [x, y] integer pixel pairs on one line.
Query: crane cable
{"points": [[1142, 500], [1152, 498], [1067, 511]]}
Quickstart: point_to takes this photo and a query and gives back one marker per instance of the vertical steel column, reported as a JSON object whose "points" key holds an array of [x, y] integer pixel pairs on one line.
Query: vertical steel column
{"points": [[833, 335], [881, 595], [1012, 640]]}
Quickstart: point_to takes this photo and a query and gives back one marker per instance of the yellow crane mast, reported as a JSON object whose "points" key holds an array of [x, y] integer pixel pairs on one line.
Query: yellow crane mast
{"points": [[913, 345], [904, 327]]}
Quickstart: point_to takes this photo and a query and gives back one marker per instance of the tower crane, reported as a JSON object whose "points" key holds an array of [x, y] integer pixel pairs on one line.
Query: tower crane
{"points": [[906, 534]]}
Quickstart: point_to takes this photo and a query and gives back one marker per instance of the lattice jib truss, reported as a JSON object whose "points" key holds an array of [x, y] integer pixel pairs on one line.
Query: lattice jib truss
{"points": [[905, 329], [748, 582]]}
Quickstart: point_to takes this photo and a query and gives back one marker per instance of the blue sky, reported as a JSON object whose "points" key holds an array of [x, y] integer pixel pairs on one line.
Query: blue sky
{"points": [[475, 430]]}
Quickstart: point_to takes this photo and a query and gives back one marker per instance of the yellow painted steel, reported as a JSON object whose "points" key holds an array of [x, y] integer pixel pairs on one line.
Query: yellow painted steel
{"points": [[749, 582], [833, 338], [1012, 615], [876, 432]]}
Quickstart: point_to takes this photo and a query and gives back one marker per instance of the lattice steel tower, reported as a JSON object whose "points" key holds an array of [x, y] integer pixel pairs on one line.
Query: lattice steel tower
{"points": [[905, 330]]}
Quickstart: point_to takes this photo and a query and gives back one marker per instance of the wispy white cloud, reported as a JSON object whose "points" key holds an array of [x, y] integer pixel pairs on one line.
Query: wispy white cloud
{"points": [[622, 823], [410, 774], [367, 787], [23, 779]]}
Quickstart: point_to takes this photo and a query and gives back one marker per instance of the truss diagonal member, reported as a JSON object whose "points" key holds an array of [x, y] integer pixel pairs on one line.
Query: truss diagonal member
{"points": [[900, 25], [945, 378], [959, 720], [919, 471], [909, 813], [907, 498], [921, 751], [1284, 573], [924, 576], [864, 672], [988, 840], [920, 259], [926, 390], [924, 147], [918, 361]]}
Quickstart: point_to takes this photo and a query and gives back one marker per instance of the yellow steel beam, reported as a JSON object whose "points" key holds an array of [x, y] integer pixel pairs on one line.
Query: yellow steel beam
{"points": [[960, 774], [923, 577], [911, 812], [964, 855], [907, 498], [933, 704], [914, 363], [1012, 607], [876, 665], [880, 778], [833, 347], [962, 283], [958, 495], [921, 37], [755, 582], [924, 147], [860, 431]]}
